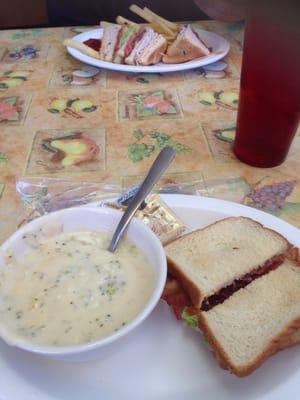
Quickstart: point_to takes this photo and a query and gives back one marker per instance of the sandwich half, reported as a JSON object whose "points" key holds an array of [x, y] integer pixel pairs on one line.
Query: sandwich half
{"points": [[148, 50], [187, 46], [129, 36], [109, 42], [239, 283], [256, 321], [214, 262]]}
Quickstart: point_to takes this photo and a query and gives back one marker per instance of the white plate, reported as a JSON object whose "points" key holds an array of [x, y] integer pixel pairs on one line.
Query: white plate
{"points": [[162, 359], [219, 48]]}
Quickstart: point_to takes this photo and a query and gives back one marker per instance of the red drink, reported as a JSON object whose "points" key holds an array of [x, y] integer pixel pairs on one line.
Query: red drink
{"points": [[269, 105]]}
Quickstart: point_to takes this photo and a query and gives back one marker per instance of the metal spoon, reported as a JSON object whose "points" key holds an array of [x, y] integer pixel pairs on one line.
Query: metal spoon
{"points": [[158, 167]]}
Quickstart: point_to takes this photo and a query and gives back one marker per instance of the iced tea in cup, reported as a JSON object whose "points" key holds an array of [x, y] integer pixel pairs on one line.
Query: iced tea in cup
{"points": [[269, 104]]}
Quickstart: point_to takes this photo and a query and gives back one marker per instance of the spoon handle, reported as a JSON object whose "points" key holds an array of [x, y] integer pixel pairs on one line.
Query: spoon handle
{"points": [[158, 167]]}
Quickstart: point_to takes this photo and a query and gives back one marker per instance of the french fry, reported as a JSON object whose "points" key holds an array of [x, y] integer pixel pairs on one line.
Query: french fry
{"points": [[81, 47], [169, 24], [104, 24], [160, 28], [124, 21], [169, 39], [166, 28], [145, 13], [140, 12]]}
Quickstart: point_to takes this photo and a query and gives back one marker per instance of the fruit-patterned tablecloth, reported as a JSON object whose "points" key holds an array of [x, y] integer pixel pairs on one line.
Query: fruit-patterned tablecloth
{"points": [[62, 119]]}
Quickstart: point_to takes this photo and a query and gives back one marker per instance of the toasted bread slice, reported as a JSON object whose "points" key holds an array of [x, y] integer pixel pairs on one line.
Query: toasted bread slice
{"points": [[186, 47], [153, 53], [109, 42], [208, 260], [256, 321]]}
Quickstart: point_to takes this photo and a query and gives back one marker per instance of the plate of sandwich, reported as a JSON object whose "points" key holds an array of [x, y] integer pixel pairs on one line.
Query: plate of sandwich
{"points": [[227, 326], [159, 46]]}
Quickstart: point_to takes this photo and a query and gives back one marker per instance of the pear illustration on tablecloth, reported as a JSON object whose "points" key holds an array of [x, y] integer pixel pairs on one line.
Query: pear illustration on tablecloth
{"points": [[70, 150], [74, 107], [11, 79]]}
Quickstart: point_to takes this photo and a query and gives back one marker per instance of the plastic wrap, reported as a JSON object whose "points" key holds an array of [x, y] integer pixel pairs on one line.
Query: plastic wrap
{"points": [[42, 195]]}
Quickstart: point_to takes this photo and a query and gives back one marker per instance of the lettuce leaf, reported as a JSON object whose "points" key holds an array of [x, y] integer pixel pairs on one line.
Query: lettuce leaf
{"points": [[127, 31], [190, 320]]}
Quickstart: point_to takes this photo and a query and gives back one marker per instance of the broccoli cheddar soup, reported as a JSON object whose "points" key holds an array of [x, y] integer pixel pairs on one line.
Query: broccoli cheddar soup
{"points": [[68, 289]]}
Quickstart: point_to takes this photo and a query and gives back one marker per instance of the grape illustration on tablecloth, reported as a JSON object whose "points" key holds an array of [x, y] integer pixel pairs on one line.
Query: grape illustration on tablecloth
{"points": [[21, 53], [145, 145], [25, 52], [273, 197], [269, 195], [3, 157]]}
